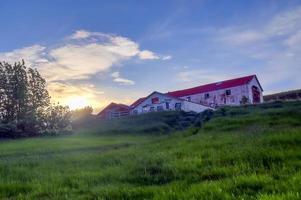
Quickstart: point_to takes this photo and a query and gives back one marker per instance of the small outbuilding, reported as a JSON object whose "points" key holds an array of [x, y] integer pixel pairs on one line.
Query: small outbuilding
{"points": [[114, 110]]}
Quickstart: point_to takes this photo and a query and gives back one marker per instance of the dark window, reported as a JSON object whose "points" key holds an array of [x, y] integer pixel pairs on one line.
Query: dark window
{"points": [[144, 109], [159, 108], [167, 105], [155, 100], [178, 106], [188, 98], [206, 95], [228, 92], [256, 94], [152, 109]]}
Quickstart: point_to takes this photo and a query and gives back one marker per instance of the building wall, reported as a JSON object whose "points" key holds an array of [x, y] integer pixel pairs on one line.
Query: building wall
{"points": [[188, 106], [219, 97], [148, 106], [114, 113], [173, 104], [254, 82]]}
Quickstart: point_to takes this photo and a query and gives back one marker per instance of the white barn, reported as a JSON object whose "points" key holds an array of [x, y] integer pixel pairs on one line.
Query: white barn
{"points": [[157, 101], [229, 92], [243, 90]]}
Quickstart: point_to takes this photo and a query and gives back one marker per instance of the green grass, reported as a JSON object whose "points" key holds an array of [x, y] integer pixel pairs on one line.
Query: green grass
{"points": [[251, 152]]}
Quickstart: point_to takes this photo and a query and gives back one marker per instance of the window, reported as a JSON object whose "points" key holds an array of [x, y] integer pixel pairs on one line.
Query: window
{"points": [[159, 108], [144, 109], [188, 98], [177, 106], [155, 100], [152, 109], [207, 96], [167, 105], [228, 92], [135, 112]]}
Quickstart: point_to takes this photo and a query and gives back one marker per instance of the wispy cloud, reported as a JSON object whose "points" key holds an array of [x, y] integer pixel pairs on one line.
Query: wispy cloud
{"points": [[199, 76], [168, 57], [79, 57], [276, 43], [285, 24], [120, 80], [82, 55], [33, 54], [148, 55]]}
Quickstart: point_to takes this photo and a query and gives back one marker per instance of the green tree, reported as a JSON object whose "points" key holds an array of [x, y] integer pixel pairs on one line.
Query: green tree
{"points": [[7, 95], [58, 119], [39, 100], [25, 107], [81, 113]]}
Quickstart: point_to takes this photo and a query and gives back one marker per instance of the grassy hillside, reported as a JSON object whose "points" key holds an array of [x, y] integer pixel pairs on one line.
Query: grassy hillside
{"points": [[240, 153]]}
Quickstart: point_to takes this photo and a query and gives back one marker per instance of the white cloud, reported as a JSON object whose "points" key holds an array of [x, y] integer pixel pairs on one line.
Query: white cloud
{"points": [[166, 57], [294, 40], [285, 23], [276, 45], [83, 54], [80, 34], [31, 55], [121, 81], [115, 74], [200, 76], [243, 37], [148, 55]]}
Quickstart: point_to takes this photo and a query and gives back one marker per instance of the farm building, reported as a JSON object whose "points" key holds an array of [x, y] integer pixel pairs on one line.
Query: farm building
{"points": [[114, 110], [157, 101], [229, 92], [243, 90]]}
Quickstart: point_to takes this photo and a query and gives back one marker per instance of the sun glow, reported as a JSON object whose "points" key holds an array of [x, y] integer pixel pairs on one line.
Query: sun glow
{"points": [[77, 102]]}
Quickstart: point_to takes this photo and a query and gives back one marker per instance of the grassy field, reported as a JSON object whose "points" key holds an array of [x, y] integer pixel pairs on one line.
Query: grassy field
{"points": [[249, 152]]}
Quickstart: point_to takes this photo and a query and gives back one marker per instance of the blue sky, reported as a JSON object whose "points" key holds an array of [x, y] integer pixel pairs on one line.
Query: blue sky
{"points": [[120, 50]]}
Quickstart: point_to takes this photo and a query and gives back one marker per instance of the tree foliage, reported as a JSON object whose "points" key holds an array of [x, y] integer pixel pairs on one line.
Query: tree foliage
{"points": [[25, 107], [82, 113]]}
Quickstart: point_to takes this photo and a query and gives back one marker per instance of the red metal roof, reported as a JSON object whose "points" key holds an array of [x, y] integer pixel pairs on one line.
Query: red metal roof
{"points": [[213, 86]]}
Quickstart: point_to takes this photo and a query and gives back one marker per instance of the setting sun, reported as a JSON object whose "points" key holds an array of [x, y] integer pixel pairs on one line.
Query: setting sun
{"points": [[77, 102]]}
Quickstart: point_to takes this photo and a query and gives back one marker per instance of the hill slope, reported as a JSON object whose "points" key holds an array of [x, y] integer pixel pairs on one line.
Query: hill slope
{"points": [[249, 152]]}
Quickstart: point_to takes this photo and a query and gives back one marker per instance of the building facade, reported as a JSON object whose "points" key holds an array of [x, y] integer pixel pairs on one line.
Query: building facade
{"points": [[244, 90], [233, 92], [157, 101]]}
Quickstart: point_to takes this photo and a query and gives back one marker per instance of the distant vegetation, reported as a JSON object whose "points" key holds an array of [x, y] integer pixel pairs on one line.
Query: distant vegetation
{"points": [[248, 152], [158, 123], [283, 96], [25, 108]]}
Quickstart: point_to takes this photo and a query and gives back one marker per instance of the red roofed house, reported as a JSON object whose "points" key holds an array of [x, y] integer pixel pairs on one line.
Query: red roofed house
{"points": [[229, 92], [114, 110]]}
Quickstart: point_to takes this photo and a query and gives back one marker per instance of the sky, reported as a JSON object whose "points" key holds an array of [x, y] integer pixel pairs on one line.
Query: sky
{"points": [[96, 52]]}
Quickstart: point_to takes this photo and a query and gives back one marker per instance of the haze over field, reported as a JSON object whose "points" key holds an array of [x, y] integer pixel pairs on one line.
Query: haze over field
{"points": [[92, 53]]}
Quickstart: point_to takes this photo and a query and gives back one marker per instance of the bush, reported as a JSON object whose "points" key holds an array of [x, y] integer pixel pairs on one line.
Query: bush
{"points": [[7, 130]]}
